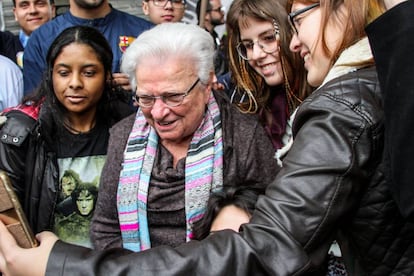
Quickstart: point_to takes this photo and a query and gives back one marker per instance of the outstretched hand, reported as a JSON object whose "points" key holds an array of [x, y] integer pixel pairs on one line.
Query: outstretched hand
{"points": [[15, 260]]}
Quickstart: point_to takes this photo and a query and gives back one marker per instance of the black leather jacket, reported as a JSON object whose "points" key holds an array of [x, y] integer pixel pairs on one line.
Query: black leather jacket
{"points": [[331, 187], [32, 167]]}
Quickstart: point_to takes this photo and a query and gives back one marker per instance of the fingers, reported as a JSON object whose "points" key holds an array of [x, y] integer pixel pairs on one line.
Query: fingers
{"points": [[6, 239], [15, 260], [217, 86], [121, 79], [46, 237], [8, 247]]}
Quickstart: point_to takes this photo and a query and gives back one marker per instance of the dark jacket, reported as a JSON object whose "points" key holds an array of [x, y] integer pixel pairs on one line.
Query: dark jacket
{"points": [[28, 156], [10, 45], [331, 187], [392, 41], [248, 159]]}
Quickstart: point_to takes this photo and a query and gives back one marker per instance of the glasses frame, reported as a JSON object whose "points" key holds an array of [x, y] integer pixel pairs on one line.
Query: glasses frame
{"points": [[164, 98], [218, 9], [174, 4], [276, 33], [292, 15]]}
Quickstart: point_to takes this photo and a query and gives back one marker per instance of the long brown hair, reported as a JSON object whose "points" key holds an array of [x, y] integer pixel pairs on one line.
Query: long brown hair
{"points": [[245, 77]]}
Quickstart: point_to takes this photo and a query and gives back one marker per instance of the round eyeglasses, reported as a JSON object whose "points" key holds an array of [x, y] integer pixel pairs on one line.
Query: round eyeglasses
{"points": [[178, 4], [171, 99], [267, 42]]}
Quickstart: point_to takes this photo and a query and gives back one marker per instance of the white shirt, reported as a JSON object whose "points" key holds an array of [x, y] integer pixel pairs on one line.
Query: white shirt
{"points": [[11, 83]]}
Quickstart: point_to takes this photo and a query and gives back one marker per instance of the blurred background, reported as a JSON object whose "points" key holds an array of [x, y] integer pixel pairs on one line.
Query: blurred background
{"points": [[7, 21]]}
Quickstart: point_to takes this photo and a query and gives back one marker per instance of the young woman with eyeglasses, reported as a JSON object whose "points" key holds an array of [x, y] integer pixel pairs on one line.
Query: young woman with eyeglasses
{"points": [[267, 78]]}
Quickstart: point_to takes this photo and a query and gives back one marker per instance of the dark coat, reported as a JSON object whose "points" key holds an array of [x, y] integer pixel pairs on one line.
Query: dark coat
{"points": [[392, 41], [331, 186]]}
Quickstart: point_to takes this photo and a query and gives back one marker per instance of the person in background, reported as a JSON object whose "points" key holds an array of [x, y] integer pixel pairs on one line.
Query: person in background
{"points": [[161, 11], [183, 144], [11, 83], [30, 15], [63, 127], [393, 55], [118, 27], [214, 16], [332, 181], [266, 77]]}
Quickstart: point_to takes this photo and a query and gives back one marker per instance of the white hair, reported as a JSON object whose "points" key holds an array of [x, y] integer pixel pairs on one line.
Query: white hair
{"points": [[171, 39]]}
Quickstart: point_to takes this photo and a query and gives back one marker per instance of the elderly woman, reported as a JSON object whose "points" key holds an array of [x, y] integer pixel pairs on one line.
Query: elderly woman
{"points": [[183, 143]]}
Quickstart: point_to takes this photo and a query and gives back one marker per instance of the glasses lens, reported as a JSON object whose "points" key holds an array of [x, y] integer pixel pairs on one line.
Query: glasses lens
{"points": [[174, 99], [179, 4], [145, 101], [160, 3], [292, 23], [241, 50], [175, 3], [219, 9], [268, 43]]}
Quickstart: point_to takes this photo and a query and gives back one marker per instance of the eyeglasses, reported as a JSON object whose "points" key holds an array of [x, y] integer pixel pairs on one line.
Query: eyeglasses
{"points": [[218, 9], [267, 42], [171, 99], [178, 4], [295, 23]]}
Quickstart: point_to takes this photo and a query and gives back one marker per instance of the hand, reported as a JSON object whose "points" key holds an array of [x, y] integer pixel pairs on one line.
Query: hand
{"points": [[15, 260], [122, 80], [217, 86], [391, 3]]}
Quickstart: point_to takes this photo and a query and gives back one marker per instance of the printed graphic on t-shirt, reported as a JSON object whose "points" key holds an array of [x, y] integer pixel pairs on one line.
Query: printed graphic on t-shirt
{"points": [[78, 191]]}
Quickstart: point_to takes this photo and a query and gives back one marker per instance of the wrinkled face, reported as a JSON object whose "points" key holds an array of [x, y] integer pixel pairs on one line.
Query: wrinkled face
{"points": [[78, 79], [268, 65], [155, 77], [308, 42], [159, 15], [68, 185], [85, 203], [31, 14], [230, 217], [216, 13]]}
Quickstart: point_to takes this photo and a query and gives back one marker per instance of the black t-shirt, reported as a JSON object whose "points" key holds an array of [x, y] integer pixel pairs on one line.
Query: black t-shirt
{"points": [[80, 159]]}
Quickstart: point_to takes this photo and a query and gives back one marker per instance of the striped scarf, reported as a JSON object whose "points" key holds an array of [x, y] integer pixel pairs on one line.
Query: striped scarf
{"points": [[203, 175]]}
